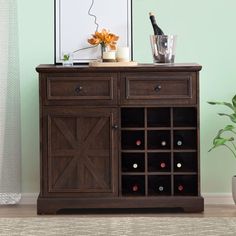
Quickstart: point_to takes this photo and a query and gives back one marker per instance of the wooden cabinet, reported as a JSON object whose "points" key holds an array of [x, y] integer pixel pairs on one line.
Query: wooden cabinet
{"points": [[81, 151], [119, 137]]}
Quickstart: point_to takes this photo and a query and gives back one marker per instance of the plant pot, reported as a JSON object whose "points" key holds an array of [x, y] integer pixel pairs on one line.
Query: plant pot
{"points": [[234, 188], [67, 63]]}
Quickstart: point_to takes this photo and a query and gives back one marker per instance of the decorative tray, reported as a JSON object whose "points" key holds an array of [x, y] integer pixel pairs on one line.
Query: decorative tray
{"points": [[112, 64]]}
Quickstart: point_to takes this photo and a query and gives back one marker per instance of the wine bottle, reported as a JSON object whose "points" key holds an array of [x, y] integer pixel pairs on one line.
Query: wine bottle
{"points": [[180, 188], [179, 141], [163, 143], [157, 30], [135, 188], [179, 165], [135, 165], [138, 142], [162, 165], [161, 188]]}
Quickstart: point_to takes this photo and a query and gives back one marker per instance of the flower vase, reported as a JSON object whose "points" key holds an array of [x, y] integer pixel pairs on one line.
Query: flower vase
{"points": [[103, 49]]}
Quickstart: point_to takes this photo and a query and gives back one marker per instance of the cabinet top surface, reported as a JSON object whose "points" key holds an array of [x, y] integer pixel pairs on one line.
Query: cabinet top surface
{"points": [[49, 68]]}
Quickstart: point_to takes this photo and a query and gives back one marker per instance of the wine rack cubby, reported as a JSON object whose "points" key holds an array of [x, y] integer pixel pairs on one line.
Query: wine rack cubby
{"points": [[158, 117], [133, 162], [184, 117], [159, 162], [185, 162], [185, 139], [158, 139], [159, 185], [133, 185], [185, 185], [132, 117], [132, 140], [167, 164]]}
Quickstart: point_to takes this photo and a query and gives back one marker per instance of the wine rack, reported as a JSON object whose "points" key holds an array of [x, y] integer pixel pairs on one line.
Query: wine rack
{"points": [[119, 138], [167, 162]]}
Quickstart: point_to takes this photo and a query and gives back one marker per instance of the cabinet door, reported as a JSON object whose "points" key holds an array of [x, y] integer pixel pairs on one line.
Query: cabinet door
{"points": [[79, 155]]}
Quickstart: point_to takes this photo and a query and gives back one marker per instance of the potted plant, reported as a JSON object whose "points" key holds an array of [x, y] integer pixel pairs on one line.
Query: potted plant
{"points": [[67, 59], [226, 137]]}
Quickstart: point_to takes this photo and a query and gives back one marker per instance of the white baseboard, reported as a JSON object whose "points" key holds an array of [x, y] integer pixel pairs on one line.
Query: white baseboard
{"points": [[28, 199], [218, 198], [209, 198]]}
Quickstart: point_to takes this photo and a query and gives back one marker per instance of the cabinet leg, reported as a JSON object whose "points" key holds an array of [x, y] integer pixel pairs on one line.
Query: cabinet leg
{"points": [[198, 209], [47, 211]]}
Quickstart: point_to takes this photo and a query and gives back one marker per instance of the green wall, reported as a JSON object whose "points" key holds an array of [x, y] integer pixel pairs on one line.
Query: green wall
{"points": [[206, 35]]}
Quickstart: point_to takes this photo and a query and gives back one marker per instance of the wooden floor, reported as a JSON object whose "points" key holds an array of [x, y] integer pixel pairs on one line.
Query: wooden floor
{"points": [[210, 211]]}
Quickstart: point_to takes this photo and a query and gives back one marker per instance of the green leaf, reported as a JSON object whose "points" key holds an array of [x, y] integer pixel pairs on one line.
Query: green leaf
{"points": [[223, 103], [212, 103], [66, 57], [229, 128], [231, 116], [211, 149], [219, 133], [234, 102], [218, 141]]}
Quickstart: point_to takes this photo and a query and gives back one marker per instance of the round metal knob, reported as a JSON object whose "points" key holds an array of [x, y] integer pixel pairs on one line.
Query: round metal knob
{"points": [[78, 89], [157, 88], [115, 126]]}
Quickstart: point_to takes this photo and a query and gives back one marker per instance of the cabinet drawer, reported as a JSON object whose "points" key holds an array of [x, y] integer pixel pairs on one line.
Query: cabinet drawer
{"points": [[81, 89], [159, 88]]}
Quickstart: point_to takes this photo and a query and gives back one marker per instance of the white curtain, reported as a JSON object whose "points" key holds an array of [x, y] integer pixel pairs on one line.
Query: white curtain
{"points": [[10, 145]]}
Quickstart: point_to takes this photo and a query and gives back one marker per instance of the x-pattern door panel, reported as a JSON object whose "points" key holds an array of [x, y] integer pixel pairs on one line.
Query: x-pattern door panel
{"points": [[81, 151]]}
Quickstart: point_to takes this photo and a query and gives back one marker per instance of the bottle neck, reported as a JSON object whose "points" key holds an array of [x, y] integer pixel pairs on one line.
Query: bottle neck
{"points": [[156, 28], [153, 20]]}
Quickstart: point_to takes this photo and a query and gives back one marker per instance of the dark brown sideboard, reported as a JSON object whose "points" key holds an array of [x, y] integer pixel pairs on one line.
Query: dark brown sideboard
{"points": [[119, 138]]}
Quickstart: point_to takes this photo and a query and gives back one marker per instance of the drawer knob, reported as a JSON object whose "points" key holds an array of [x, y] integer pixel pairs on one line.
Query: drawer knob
{"points": [[157, 88], [115, 126], [78, 89]]}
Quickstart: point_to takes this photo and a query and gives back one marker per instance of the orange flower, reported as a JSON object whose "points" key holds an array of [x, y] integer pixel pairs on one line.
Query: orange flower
{"points": [[105, 38]]}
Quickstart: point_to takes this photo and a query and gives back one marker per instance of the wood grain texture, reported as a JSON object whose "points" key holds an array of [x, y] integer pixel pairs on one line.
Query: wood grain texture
{"points": [[112, 64], [82, 137]]}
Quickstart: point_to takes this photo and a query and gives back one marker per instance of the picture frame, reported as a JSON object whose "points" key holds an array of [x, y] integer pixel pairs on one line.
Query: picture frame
{"points": [[77, 20]]}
